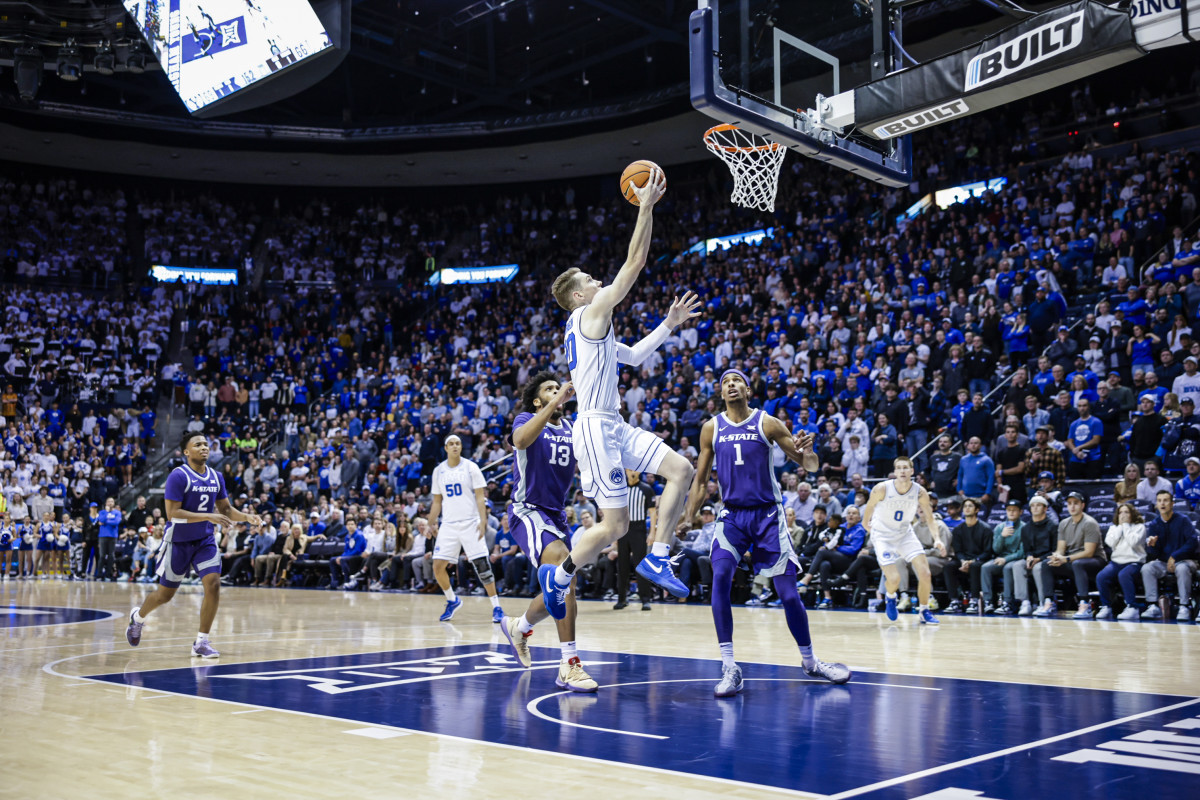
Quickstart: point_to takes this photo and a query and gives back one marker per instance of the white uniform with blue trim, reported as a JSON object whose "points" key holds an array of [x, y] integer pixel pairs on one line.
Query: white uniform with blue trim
{"points": [[604, 443], [891, 525], [458, 530]]}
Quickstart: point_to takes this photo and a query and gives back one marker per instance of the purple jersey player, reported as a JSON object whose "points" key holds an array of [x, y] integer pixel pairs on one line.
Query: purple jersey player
{"points": [[196, 501], [545, 467], [740, 440]]}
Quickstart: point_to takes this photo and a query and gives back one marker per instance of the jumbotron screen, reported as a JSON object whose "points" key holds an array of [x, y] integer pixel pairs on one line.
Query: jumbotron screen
{"points": [[211, 49]]}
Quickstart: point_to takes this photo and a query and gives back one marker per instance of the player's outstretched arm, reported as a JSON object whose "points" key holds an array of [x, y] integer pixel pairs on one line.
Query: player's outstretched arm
{"points": [[877, 495], [682, 309], [225, 507], [704, 463], [607, 298], [528, 433], [798, 448]]}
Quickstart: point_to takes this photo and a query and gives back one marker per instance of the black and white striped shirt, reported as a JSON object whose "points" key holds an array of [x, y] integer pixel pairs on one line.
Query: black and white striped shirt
{"points": [[641, 500]]}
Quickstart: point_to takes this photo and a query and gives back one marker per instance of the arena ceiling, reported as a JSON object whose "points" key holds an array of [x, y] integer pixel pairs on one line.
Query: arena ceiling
{"points": [[499, 82]]}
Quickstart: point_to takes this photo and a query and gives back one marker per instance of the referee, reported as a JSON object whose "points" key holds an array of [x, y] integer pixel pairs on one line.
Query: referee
{"points": [[631, 548]]}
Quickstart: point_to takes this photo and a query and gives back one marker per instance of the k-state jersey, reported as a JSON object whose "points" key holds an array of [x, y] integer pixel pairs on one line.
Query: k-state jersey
{"points": [[593, 365], [743, 460], [545, 468], [195, 492]]}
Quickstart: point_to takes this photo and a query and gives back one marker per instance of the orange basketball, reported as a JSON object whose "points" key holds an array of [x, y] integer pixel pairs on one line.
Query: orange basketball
{"points": [[637, 174]]}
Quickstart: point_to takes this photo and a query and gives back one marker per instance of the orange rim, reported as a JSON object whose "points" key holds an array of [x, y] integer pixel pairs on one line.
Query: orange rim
{"points": [[728, 148]]}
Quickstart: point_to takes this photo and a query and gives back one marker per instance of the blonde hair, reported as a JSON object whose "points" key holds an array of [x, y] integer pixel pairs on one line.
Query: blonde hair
{"points": [[564, 286]]}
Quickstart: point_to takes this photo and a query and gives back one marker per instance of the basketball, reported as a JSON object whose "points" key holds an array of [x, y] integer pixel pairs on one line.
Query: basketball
{"points": [[637, 174]]}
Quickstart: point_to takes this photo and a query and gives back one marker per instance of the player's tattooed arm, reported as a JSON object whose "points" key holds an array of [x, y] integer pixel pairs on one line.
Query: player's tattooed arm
{"points": [[527, 434], [704, 464]]}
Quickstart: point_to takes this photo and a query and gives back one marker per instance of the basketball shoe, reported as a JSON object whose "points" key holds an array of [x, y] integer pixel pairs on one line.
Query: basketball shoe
{"points": [[497, 614], [731, 682], [890, 608], [832, 672], [553, 595], [451, 607], [204, 649], [518, 640], [572, 676], [133, 634], [660, 571]]}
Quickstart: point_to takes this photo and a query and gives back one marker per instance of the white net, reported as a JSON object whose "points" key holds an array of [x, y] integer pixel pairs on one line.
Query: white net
{"points": [[754, 161]]}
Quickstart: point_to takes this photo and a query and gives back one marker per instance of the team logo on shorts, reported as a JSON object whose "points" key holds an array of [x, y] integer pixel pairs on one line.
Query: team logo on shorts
{"points": [[886, 554], [617, 476]]}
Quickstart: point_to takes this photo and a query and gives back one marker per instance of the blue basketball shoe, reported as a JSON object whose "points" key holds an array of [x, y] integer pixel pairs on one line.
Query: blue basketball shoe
{"points": [[497, 614], [927, 618], [451, 607], [553, 595], [659, 571], [889, 608]]}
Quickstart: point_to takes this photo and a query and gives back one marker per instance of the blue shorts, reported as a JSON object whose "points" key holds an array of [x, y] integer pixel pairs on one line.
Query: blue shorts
{"points": [[176, 557], [44, 545], [762, 531], [534, 528]]}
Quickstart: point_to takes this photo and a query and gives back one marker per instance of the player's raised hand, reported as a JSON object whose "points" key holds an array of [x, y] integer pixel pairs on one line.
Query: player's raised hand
{"points": [[564, 394], [652, 192], [683, 309]]}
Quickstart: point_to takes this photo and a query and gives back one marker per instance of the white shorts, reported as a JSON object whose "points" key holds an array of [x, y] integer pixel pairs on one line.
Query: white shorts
{"points": [[605, 446], [459, 536], [904, 546]]}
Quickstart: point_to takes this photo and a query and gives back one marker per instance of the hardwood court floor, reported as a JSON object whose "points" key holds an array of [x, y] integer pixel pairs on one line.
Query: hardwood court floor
{"points": [[156, 724]]}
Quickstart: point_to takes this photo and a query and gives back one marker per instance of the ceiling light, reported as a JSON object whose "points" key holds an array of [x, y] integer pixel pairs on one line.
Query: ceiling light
{"points": [[105, 62], [70, 64], [27, 71], [135, 62]]}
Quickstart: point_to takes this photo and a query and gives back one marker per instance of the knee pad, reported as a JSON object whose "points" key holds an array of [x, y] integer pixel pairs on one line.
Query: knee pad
{"points": [[483, 568]]}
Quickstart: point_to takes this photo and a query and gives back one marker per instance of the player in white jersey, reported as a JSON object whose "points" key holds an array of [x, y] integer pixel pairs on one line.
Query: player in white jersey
{"points": [[458, 498], [888, 518], [605, 445]]}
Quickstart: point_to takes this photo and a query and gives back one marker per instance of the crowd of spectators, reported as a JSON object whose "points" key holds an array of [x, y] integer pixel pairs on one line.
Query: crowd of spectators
{"points": [[878, 334]]}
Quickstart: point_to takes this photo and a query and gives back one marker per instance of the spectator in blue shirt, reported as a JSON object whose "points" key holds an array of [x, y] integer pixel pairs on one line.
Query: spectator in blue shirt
{"points": [[110, 524], [976, 472], [1084, 444], [345, 565], [1171, 546], [1188, 488], [1154, 391]]}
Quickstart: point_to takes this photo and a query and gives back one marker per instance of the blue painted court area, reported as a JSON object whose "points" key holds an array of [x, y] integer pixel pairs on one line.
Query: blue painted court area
{"points": [[880, 736], [16, 616]]}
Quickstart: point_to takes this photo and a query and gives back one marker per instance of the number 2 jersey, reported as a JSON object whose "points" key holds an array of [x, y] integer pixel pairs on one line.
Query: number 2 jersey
{"points": [[545, 468], [195, 492], [743, 461]]}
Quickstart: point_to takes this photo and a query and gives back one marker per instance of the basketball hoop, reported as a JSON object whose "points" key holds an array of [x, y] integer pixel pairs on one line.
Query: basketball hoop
{"points": [[754, 161]]}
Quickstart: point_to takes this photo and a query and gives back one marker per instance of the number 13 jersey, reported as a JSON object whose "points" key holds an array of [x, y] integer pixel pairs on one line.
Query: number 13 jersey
{"points": [[546, 468], [196, 492]]}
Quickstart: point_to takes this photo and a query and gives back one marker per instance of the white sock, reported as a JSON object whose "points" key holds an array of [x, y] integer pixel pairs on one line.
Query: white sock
{"points": [[727, 654], [806, 656], [495, 601], [561, 576], [568, 651], [138, 618], [660, 549], [891, 595], [923, 609], [201, 637], [449, 594], [524, 625]]}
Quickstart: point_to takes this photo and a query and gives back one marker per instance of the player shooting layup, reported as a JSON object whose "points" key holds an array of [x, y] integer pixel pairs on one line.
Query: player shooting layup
{"points": [[740, 440], [892, 507], [196, 500], [604, 443], [545, 467]]}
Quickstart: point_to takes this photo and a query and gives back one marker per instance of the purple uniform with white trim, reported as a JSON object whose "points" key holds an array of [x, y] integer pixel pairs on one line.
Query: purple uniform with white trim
{"points": [[544, 472], [753, 515], [191, 544]]}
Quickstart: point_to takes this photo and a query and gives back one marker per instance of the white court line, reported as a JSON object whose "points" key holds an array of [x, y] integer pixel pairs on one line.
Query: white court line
{"points": [[523, 750], [1007, 751], [532, 705]]}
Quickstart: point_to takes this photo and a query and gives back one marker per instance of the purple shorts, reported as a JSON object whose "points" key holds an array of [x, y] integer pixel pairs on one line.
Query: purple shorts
{"points": [[176, 557], [762, 531], [534, 528]]}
